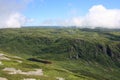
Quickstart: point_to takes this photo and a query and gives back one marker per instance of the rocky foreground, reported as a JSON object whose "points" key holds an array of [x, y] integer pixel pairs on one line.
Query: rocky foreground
{"points": [[14, 71]]}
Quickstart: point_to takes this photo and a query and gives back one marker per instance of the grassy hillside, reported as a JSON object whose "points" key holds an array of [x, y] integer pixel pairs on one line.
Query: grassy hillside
{"points": [[93, 54], [19, 65]]}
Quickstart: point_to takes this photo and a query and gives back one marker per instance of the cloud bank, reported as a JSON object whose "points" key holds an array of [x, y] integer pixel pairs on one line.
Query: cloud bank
{"points": [[15, 20], [10, 13], [97, 16]]}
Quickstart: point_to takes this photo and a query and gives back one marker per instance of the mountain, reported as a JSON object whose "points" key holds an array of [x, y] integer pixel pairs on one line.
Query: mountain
{"points": [[62, 53]]}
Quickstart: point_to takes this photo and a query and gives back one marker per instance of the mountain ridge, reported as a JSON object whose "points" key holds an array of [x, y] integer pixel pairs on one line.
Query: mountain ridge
{"points": [[78, 47]]}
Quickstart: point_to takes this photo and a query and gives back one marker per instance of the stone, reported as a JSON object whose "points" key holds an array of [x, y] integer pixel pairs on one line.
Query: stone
{"points": [[1, 78], [37, 72]]}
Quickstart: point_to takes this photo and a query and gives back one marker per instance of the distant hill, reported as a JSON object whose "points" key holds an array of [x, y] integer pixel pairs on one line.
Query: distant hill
{"points": [[92, 53]]}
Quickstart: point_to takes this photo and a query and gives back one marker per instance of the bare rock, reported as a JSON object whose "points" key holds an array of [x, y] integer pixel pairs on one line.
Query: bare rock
{"points": [[1, 63], [37, 72], [3, 57], [16, 57], [19, 61], [29, 79], [60, 78], [1, 78]]}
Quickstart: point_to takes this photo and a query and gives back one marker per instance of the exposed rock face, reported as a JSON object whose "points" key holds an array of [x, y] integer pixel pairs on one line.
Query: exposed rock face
{"points": [[3, 57], [17, 57], [19, 61], [1, 63], [29, 79], [37, 72], [1, 78], [59, 78]]}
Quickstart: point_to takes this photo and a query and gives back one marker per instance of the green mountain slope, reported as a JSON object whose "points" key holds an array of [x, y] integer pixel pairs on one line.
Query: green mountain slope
{"points": [[93, 54]]}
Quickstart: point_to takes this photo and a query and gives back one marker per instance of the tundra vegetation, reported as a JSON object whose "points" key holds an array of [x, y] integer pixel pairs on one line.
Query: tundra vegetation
{"points": [[59, 54]]}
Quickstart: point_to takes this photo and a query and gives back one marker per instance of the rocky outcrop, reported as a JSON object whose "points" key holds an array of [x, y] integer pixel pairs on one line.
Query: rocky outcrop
{"points": [[3, 57], [1, 78], [1, 63], [29, 79], [37, 72], [60, 78]]}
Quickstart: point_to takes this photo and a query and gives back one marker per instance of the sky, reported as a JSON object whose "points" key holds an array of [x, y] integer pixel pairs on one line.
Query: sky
{"points": [[80, 13]]}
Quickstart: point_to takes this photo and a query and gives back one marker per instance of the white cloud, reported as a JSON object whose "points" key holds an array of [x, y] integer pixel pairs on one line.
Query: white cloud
{"points": [[98, 16], [10, 13], [61, 22], [15, 21], [75, 21]]}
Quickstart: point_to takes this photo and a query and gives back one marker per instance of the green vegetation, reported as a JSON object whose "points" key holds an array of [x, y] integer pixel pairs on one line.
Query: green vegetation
{"points": [[73, 53]]}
